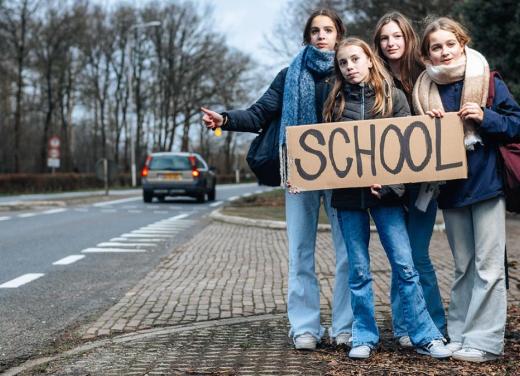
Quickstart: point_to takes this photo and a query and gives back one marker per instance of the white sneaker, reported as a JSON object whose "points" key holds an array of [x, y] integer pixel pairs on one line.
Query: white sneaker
{"points": [[454, 346], [360, 352], [405, 341], [473, 355], [435, 349], [305, 341], [343, 339]]}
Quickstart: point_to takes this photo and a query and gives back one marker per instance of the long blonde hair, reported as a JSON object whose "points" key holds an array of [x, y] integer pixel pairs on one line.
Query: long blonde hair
{"points": [[410, 64], [379, 79]]}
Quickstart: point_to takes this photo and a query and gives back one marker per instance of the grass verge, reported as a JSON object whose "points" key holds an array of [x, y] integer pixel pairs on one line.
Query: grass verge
{"points": [[267, 205]]}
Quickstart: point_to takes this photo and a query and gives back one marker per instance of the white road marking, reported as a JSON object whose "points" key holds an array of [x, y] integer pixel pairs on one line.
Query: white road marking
{"points": [[83, 210], [152, 231], [258, 192], [163, 228], [160, 212], [216, 204], [4, 218], [121, 244], [68, 260], [119, 239], [112, 250], [22, 280], [108, 210], [180, 216], [54, 211], [146, 236], [247, 194], [26, 215], [108, 203], [135, 211], [233, 198]]}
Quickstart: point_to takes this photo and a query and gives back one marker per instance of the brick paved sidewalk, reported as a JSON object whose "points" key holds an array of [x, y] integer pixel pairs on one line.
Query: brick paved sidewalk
{"points": [[216, 305]]}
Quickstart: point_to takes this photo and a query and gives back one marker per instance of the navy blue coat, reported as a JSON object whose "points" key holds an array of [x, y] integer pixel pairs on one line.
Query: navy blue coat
{"points": [[501, 123], [267, 110]]}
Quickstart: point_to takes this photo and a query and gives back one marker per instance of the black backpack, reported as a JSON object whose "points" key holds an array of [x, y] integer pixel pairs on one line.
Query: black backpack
{"points": [[263, 156]]}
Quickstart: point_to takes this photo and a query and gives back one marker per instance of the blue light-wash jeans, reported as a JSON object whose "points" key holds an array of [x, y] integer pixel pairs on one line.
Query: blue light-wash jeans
{"points": [[391, 226], [303, 295], [478, 302], [420, 228]]}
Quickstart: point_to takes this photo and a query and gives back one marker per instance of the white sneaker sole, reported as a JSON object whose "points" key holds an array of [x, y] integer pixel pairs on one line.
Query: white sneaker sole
{"points": [[436, 356], [305, 345], [474, 359]]}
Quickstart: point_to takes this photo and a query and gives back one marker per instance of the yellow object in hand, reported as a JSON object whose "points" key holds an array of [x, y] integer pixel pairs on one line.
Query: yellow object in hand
{"points": [[218, 131]]}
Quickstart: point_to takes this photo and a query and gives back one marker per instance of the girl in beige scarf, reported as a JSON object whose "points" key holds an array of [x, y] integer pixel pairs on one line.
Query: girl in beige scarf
{"points": [[457, 79]]}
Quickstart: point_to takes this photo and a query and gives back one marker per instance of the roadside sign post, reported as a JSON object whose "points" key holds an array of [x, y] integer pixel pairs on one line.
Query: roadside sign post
{"points": [[53, 153], [105, 174]]}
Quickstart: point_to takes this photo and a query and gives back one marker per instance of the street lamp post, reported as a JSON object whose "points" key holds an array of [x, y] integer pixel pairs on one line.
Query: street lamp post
{"points": [[135, 27]]}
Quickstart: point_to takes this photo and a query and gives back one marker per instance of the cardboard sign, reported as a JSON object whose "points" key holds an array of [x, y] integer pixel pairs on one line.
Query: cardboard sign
{"points": [[384, 151]]}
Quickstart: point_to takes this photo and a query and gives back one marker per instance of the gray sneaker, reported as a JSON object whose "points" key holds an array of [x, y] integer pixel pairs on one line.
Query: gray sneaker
{"points": [[360, 352], [305, 341], [473, 355]]}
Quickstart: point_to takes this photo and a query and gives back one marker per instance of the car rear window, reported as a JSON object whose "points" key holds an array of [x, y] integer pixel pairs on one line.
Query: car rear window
{"points": [[171, 163]]}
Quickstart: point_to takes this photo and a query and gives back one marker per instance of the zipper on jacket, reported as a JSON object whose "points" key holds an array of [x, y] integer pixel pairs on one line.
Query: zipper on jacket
{"points": [[362, 84]]}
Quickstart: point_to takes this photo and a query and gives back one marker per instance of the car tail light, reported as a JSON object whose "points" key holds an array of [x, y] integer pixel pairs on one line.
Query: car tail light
{"points": [[195, 173], [144, 171]]}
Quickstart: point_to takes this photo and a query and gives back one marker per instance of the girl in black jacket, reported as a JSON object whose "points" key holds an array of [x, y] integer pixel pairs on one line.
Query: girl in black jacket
{"points": [[295, 97], [363, 90]]}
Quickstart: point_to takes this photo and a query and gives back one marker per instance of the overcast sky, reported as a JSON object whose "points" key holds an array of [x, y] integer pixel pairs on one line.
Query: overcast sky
{"points": [[245, 22]]}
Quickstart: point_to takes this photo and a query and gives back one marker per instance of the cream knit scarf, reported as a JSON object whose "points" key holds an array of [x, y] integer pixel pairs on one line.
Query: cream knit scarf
{"points": [[473, 69]]}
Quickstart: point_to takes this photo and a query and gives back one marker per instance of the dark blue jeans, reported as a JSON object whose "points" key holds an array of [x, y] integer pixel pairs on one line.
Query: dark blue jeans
{"points": [[390, 223]]}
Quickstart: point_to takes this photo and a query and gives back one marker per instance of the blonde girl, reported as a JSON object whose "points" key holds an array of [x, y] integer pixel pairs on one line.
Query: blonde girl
{"points": [[457, 78], [364, 90]]}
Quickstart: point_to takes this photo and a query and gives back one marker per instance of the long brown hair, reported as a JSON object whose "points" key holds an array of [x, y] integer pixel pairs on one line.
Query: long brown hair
{"points": [[379, 79], [446, 24], [341, 30], [410, 63]]}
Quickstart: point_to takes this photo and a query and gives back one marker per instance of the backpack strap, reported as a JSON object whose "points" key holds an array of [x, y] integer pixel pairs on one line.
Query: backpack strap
{"points": [[491, 92]]}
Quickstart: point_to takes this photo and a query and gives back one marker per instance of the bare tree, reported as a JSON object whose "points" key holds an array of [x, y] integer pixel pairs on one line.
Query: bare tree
{"points": [[58, 25], [15, 24]]}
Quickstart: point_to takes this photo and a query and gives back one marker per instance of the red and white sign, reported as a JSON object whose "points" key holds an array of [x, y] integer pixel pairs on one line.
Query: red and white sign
{"points": [[53, 152], [54, 142]]}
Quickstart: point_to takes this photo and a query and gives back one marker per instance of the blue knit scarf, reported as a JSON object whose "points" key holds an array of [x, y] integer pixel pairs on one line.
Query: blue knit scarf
{"points": [[299, 98]]}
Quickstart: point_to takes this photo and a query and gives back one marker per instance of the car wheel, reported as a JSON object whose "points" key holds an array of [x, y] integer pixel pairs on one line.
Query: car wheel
{"points": [[147, 196], [211, 194], [201, 198]]}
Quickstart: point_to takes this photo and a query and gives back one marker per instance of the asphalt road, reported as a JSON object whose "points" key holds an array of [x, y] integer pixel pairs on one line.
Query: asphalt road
{"points": [[61, 268]]}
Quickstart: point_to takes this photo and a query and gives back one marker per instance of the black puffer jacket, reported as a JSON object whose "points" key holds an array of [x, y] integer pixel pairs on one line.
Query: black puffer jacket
{"points": [[359, 103], [267, 110]]}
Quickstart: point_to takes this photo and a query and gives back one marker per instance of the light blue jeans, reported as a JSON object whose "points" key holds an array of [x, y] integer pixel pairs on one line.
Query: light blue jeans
{"points": [[390, 223], [420, 227], [303, 300]]}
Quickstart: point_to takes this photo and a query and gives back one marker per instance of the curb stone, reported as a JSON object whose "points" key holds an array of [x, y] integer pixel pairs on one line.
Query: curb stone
{"points": [[217, 215], [21, 205]]}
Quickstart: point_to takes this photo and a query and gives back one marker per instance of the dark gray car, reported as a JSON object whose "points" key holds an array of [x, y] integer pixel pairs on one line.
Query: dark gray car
{"points": [[177, 174]]}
